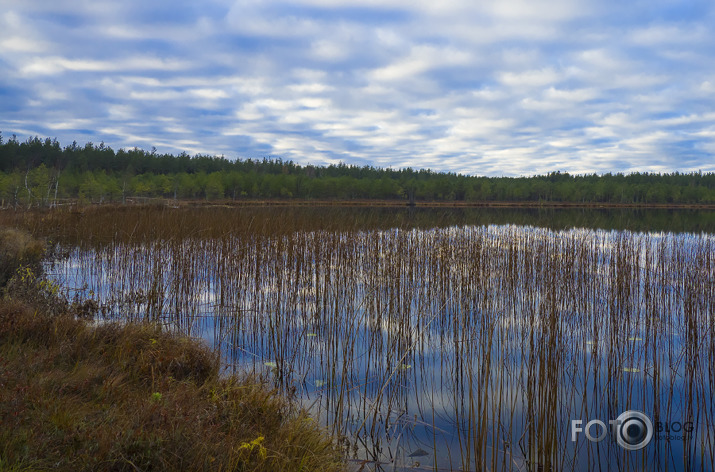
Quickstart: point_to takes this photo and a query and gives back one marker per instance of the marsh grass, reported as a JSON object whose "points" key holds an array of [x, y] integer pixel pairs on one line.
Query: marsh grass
{"points": [[476, 344], [18, 249], [133, 397], [77, 395]]}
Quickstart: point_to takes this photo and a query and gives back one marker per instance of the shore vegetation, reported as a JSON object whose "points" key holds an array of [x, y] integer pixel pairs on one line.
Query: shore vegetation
{"points": [[77, 395]]}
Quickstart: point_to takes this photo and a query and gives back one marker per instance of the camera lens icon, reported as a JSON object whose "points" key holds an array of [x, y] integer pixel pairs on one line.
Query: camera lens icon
{"points": [[634, 430]]}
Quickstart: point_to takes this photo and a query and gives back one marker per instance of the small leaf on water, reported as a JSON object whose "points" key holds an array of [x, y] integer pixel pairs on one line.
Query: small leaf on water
{"points": [[418, 453], [590, 343], [319, 383], [635, 338], [631, 369], [311, 335], [270, 364], [405, 366]]}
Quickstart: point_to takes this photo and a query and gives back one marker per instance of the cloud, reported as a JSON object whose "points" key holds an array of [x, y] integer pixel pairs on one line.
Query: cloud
{"points": [[56, 65], [666, 34], [421, 59], [510, 87]]}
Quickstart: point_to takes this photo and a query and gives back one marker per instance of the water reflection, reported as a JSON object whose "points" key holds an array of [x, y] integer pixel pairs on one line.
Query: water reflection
{"points": [[452, 348], [96, 226]]}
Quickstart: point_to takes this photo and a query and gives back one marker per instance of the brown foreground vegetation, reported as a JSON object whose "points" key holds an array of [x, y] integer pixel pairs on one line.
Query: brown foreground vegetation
{"points": [[79, 396]]}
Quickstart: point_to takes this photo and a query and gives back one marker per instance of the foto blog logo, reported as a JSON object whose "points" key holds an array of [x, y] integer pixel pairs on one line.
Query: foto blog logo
{"points": [[632, 429]]}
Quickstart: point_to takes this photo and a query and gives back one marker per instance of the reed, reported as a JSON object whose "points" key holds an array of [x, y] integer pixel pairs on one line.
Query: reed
{"points": [[473, 344], [81, 395]]}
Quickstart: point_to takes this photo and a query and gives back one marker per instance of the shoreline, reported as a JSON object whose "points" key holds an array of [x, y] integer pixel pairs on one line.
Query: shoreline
{"points": [[78, 395], [171, 203]]}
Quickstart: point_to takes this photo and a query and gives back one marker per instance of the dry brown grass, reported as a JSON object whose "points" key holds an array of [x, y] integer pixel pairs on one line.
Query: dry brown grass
{"points": [[75, 396], [18, 248], [132, 397]]}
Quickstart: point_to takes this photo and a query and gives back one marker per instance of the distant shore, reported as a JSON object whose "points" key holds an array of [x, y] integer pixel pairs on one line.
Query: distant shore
{"points": [[181, 203]]}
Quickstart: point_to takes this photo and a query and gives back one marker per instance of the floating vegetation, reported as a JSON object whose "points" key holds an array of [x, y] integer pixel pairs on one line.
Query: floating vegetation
{"points": [[418, 453]]}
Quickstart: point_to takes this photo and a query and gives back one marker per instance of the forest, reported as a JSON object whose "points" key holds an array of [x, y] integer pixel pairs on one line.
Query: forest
{"points": [[40, 172]]}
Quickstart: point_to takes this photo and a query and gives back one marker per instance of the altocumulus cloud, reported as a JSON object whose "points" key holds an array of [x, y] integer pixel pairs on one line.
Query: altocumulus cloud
{"points": [[507, 87]]}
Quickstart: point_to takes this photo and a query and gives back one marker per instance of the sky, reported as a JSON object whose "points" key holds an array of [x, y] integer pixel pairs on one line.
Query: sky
{"points": [[479, 87]]}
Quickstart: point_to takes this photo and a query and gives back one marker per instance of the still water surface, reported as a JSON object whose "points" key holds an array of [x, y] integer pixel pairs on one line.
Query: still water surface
{"points": [[432, 340]]}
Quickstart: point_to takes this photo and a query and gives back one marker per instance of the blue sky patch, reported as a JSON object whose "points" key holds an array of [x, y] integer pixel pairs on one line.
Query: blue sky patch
{"points": [[507, 87]]}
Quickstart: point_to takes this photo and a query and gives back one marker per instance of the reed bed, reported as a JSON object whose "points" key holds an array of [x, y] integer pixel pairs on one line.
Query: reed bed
{"points": [[455, 347]]}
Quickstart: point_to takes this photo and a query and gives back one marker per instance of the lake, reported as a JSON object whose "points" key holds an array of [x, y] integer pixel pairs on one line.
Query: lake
{"points": [[434, 339]]}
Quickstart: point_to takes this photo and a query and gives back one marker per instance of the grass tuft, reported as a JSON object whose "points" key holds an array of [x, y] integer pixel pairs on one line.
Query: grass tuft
{"points": [[79, 397], [76, 397], [18, 249]]}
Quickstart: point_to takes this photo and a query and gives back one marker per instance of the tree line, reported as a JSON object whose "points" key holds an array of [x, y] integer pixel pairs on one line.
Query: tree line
{"points": [[41, 172]]}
